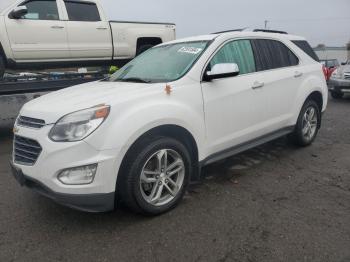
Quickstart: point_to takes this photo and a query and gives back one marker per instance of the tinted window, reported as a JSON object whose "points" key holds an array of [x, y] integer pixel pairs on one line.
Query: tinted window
{"points": [[271, 54], [239, 52], [41, 10], [331, 63], [82, 11], [304, 45]]}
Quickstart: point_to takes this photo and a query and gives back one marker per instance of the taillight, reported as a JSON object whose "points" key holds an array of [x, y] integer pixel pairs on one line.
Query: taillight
{"points": [[325, 72]]}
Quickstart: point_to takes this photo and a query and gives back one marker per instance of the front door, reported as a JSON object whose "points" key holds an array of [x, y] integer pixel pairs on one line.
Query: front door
{"points": [[40, 34], [235, 106]]}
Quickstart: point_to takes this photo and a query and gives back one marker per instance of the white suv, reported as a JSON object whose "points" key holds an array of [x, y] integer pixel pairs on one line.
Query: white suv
{"points": [[143, 135]]}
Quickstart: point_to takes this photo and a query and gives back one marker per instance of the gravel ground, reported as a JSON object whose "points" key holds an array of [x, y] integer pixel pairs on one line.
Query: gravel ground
{"points": [[272, 203]]}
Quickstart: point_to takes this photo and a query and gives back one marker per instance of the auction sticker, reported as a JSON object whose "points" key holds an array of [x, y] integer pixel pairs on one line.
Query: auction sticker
{"points": [[190, 50]]}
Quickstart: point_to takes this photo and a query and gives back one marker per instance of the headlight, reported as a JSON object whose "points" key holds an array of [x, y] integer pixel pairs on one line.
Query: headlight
{"points": [[78, 125]]}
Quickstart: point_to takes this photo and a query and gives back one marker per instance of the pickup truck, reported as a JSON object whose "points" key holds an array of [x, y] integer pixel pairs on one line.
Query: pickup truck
{"points": [[38, 34]]}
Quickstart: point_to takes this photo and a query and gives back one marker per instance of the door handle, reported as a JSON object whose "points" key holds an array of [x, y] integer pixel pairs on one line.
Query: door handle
{"points": [[101, 28], [257, 85], [57, 27], [298, 74]]}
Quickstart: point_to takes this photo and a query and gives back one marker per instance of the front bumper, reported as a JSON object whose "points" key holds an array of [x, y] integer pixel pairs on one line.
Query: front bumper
{"points": [[55, 157], [86, 202], [339, 85]]}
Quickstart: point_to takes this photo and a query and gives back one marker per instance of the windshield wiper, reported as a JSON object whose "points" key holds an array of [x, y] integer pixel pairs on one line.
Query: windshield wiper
{"points": [[134, 79]]}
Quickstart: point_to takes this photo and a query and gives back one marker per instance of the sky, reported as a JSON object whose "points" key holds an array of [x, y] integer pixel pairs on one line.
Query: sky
{"points": [[320, 21]]}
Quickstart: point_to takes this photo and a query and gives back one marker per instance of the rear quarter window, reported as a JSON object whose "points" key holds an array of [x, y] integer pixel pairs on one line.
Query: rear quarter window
{"points": [[305, 46]]}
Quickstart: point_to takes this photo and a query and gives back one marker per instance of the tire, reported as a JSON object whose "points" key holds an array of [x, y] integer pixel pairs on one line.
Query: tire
{"points": [[140, 193], [307, 122], [2, 67], [337, 95], [142, 49]]}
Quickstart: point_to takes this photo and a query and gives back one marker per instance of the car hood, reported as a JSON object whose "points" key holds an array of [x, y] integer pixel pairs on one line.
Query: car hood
{"points": [[345, 69], [53, 106]]}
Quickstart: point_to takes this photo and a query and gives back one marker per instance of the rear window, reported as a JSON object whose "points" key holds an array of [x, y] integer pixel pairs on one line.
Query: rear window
{"points": [[82, 11], [272, 54], [304, 45]]}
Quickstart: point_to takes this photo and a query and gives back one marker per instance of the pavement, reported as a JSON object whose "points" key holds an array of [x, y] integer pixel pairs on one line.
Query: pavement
{"points": [[273, 203]]}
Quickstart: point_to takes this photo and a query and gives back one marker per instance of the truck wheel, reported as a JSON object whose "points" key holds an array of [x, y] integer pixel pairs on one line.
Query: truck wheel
{"points": [[2, 67], [307, 125], [155, 175], [337, 94], [142, 49]]}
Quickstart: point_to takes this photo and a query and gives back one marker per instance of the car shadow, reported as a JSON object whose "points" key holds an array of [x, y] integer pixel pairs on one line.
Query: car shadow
{"points": [[227, 170]]}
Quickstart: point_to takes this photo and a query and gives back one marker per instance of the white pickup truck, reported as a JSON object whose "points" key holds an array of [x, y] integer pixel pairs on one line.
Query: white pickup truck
{"points": [[60, 33]]}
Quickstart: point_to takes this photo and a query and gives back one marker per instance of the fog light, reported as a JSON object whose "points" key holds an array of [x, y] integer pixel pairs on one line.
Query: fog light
{"points": [[78, 175]]}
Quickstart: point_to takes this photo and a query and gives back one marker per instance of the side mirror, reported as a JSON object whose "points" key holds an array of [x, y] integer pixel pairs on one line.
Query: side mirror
{"points": [[222, 71], [19, 12]]}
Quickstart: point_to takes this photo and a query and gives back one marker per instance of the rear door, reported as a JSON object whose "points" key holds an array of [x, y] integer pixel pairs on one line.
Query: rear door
{"points": [[89, 36], [234, 106], [282, 77], [40, 34]]}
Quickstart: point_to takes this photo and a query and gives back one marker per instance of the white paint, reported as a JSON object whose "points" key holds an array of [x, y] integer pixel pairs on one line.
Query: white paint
{"points": [[219, 114], [64, 40]]}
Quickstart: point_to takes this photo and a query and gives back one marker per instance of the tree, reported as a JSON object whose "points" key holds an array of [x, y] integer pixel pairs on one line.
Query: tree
{"points": [[321, 46]]}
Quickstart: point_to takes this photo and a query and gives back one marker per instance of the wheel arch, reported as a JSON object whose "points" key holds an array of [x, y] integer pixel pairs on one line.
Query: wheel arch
{"points": [[3, 54], [168, 130], [314, 95], [142, 41], [318, 98]]}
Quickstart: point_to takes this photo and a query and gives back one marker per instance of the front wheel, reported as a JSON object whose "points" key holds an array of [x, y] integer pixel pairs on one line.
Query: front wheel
{"points": [[308, 124], [155, 176], [337, 95]]}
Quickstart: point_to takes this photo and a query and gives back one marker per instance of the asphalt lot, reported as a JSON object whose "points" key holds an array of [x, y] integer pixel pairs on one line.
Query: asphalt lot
{"points": [[273, 203]]}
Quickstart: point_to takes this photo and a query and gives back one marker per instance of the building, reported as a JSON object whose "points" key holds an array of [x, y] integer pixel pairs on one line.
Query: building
{"points": [[340, 53]]}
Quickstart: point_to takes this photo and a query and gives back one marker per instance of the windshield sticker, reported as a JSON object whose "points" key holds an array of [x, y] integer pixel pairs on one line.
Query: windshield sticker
{"points": [[190, 50]]}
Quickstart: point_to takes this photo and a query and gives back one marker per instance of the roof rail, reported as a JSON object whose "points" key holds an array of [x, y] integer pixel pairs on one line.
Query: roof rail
{"points": [[228, 31], [270, 31]]}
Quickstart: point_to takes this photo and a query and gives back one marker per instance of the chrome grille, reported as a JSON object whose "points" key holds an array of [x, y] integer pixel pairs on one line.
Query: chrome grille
{"points": [[26, 151], [30, 122], [347, 75]]}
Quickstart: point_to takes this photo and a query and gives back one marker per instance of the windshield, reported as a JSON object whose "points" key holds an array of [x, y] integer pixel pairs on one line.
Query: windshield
{"points": [[165, 63]]}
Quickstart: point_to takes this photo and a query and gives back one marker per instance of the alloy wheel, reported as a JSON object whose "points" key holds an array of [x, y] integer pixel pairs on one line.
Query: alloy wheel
{"points": [[162, 177], [309, 124]]}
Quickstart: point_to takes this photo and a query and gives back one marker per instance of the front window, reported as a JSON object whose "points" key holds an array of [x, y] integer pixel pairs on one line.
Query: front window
{"points": [[41, 10], [165, 63], [239, 52]]}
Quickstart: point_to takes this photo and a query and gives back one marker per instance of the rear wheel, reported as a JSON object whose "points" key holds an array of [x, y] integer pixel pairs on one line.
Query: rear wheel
{"points": [[337, 94], [2, 67], [308, 124], [155, 175]]}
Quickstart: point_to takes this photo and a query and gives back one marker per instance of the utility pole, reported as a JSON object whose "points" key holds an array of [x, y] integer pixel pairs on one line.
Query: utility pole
{"points": [[266, 21]]}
